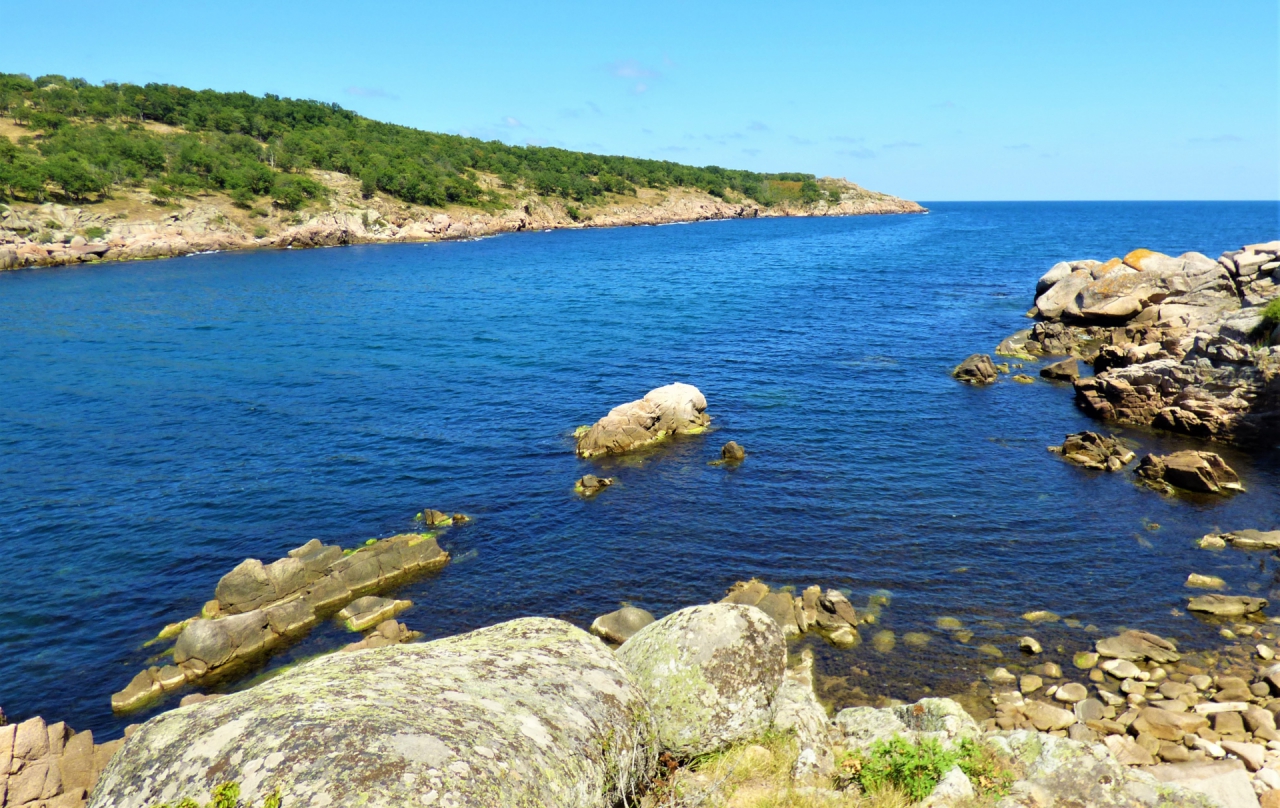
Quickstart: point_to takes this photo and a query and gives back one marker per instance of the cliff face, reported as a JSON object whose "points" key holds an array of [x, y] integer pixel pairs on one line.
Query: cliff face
{"points": [[133, 226]]}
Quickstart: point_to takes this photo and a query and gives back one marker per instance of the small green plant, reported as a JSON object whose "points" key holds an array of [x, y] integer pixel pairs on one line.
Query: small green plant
{"points": [[834, 196], [257, 213], [1271, 314], [260, 231], [45, 237], [573, 212], [226, 795], [94, 232], [916, 769]]}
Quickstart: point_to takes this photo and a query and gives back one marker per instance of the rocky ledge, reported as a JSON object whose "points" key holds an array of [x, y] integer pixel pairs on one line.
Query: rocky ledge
{"points": [[258, 607], [1178, 343], [52, 235]]}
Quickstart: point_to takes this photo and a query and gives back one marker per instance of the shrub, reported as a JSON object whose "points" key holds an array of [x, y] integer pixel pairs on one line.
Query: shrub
{"points": [[94, 232], [1271, 313], [260, 231], [573, 212], [916, 769], [226, 795], [833, 196]]}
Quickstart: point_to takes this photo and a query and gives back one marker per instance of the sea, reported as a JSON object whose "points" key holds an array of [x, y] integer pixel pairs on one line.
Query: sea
{"points": [[162, 420]]}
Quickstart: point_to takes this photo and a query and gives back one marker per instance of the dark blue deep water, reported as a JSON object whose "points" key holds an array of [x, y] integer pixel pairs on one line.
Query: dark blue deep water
{"points": [[160, 421]]}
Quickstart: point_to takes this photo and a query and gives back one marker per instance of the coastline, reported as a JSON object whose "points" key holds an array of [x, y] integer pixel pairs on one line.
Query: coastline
{"points": [[131, 226]]}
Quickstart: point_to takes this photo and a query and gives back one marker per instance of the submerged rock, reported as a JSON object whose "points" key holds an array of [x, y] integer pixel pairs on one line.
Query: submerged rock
{"points": [[672, 410], [1253, 539], [529, 712], [1201, 472], [1226, 605], [1094, 451], [977, 369], [1138, 645], [731, 452], [620, 626], [589, 485], [710, 674]]}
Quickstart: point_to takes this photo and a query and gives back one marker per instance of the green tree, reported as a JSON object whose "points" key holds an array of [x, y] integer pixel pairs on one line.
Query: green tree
{"points": [[74, 176]]}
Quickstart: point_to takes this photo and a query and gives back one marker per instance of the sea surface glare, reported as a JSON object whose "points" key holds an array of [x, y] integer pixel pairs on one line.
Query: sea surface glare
{"points": [[162, 420]]}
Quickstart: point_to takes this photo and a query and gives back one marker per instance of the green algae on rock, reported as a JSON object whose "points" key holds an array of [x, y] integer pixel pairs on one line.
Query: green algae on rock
{"points": [[710, 674], [527, 713]]}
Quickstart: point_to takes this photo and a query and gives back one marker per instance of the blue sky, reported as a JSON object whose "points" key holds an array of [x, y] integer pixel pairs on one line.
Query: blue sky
{"points": [[928, 100]]}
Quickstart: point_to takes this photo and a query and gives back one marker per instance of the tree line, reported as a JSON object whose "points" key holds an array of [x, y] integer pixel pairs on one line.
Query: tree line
{"points": [[82, 139]]}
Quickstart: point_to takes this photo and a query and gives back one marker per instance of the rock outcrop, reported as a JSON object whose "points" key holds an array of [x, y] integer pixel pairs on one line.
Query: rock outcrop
{"points": [[525, 713], [259, 607], [829, 613], [588, 485], [1177, 343], [1201, 472], [1094, 451], [1245, 539], [710, 674], [676, 409], [977, 369], [49, 765]]}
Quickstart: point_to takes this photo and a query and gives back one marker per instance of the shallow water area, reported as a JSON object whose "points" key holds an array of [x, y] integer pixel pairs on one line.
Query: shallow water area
{"points": [[160, 421]]}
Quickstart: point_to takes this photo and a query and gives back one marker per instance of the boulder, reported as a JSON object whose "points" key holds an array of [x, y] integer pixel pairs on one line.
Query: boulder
{"points": [[710, 674], [1062, 772], [731, 452], [1223, 782], [528, 712], [796, 710], [1254, 539], [1226, 605], [1138, 645], [671, 410], [1201, 472], [620, 626], [589, 484], [1067, 370], [369, 611], [977, 369], [1094, 451]]}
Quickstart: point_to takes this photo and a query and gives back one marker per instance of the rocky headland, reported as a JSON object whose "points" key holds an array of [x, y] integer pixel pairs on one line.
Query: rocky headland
{"points": [[132, 225], [1188, 343]]}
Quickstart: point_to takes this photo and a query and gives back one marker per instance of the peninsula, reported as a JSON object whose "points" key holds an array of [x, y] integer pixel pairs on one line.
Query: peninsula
{"points": [[120, 171]]}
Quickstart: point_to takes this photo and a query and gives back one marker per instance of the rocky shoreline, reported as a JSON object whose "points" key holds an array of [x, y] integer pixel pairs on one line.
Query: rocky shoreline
{"points": [[1186, 344], [132, 227]]}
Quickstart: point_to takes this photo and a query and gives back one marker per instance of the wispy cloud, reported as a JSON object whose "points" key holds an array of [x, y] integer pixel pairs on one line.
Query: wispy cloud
{"points": [[1018, 146], [510, 122], [751, 152], [1216, 139], [633, 71], [799, 141], [536, 141], [371, 92], [848, 139], [674, 149], [901, 144], [861, 154], [757, 126]]}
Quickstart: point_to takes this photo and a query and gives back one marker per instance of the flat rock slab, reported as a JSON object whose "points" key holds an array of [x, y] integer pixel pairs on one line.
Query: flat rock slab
{"points": [[1225, 781], [529, 712]]}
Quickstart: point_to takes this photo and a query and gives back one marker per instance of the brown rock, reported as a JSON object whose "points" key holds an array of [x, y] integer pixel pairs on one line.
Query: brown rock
{"points": [[1253, 755], [1167, 725], [977, 369], [1127, 751], [32, 739]]}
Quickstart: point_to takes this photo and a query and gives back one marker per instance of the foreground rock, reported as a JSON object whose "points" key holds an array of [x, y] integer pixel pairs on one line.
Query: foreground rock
{"points": [[731, 452], [529, 712], [259, 607], [977, 369], [1245, 539], [677, 409], [1201, 472], [1067, 370], [1094, 451], [710, 674], [1227, 605], [1177, 343]]}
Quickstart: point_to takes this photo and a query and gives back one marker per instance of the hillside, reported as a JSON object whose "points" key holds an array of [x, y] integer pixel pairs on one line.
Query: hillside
{"points": [[126, 171]]}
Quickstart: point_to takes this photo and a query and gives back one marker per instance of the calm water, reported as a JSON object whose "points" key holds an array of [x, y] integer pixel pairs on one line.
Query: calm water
{"points": [[160, 421]]}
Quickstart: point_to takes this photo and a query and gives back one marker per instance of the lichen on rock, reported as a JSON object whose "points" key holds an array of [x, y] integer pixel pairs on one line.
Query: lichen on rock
{"points": [[532, 712]]}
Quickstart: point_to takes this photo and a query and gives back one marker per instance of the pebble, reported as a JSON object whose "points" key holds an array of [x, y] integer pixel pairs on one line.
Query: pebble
{"points": [[1071, 693], [1030, 683], [1121, 668], [1200, 681], [990, 650], [1265, 652], [1030, 645]]}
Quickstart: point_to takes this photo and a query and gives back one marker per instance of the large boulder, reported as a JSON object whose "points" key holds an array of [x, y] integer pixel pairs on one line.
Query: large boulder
{"points": [[1226, 605], [1094, 451], [1201, 472], [530, 712], [671, 410], [710, 674], [977, 369]]}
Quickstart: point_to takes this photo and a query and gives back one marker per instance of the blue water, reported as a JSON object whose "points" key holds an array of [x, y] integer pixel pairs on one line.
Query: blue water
{"points": [[160, 421]]}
